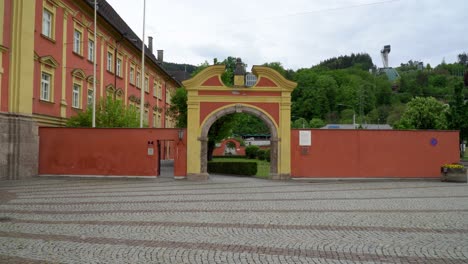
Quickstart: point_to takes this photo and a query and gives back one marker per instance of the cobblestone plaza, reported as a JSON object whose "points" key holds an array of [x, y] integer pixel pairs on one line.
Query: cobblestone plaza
{"points": [[232, 220]]}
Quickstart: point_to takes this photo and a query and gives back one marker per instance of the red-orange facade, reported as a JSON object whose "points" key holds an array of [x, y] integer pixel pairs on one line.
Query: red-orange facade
{"points": [[64, 46]]}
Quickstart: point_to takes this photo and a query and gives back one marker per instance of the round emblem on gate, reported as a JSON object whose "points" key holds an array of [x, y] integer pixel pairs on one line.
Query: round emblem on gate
{"points": [[434, 142]]}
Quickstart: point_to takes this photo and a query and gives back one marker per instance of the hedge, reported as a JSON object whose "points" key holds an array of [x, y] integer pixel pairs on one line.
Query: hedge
{"points": [[261, 154], [235, 168], [251, 151], [230, 157]]}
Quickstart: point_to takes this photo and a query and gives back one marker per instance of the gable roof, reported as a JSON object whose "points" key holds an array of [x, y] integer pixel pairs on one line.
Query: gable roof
{"points": [[107, 12]]}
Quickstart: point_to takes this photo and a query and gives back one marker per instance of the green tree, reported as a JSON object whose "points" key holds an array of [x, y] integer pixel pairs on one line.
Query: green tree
{"points": [[316, 123], [300, 123], [458, 114], [109, 113], [424, 113], [178, 108]]}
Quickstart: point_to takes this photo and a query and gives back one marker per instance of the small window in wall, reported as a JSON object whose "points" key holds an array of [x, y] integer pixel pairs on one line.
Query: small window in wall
{"points": [[146, 84], [155, 120], [90, 98], [77, 36], [46, 86], [110, 57], [132, 75], [47, 23], [138, 80], [76, 95], [91, 50], [119, 67]]}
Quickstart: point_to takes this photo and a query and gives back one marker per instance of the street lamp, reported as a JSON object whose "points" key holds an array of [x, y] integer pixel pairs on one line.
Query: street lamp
{"points": [[354, 114]]}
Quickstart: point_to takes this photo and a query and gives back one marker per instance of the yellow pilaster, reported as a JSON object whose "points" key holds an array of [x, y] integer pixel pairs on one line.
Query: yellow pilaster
{"points": [[284, 165], [22, 57], [193, 132], [63, 100], [2, 16]]}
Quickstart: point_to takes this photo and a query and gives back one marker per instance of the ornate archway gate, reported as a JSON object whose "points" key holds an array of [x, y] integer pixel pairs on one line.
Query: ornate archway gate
{"points": [[209, 99]]}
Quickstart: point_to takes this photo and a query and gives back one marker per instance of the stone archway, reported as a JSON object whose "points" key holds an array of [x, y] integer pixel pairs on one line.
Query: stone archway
{"points": [[239, 108], [208, 99]]}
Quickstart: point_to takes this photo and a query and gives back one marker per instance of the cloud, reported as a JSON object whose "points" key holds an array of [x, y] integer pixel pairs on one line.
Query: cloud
{"points": [[301, 33]]}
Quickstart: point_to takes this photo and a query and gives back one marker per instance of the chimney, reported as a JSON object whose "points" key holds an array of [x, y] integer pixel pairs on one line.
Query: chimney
{"points": [[160, 56], [150, 44]]}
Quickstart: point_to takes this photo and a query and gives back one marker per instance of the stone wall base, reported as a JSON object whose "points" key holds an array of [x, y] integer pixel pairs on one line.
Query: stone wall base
{"points": [[19, 147], [198, 177], [280, 176]]}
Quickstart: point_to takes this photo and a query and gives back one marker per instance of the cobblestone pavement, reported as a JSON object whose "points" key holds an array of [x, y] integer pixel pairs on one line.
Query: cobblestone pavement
{"points": [[232, 220]]}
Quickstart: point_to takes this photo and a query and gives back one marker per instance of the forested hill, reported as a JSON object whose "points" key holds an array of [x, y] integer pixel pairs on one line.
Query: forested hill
{"points": [[360, 60], [173, 67]]}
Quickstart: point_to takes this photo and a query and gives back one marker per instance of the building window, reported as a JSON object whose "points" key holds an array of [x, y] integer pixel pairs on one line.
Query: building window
{"points": [[158, 123], [45, 86], [145, 118], [159, 90], [138, 80], [132, 75], [119, 67], [146, 84], [155, 87], [168, 97], [91, 50], [109, 61], [47, 23], [155, 120], [76, 95], [90, 98], [77, 41]]}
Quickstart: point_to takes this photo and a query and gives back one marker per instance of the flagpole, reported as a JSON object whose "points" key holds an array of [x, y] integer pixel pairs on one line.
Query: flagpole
{"points": [[94, 65], [142, 101]]}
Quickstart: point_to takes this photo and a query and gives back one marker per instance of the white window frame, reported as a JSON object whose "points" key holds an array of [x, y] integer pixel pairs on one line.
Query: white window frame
{"points": [[47, 22], [110, 61], [146, 84], [76, 93], [91, 50], [118, 69], [138, 80], [132, 74], [77, 37], [90, 98], [46, 86]]}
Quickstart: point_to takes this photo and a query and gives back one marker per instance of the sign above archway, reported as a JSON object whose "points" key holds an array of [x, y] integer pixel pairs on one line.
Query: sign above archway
{"points": [[209, 99]]}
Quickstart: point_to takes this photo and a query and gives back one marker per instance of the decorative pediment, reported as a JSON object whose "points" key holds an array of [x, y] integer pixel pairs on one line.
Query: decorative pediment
{"points": [[147, 104], [49, 61], [119, 92], [90, 79], [210, 76], [110, 88], [78, 73]]}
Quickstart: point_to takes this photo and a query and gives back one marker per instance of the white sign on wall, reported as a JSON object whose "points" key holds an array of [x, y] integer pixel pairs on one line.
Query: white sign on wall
{"points": [[305, 138]]}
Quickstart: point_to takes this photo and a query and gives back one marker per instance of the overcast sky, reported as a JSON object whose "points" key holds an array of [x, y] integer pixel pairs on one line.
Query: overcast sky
{"points": [[301, 33]]}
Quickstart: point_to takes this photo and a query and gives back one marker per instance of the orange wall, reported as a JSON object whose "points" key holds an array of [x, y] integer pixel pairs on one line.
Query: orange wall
{"points": [[87, 151], [240, 150], [373, 153]]}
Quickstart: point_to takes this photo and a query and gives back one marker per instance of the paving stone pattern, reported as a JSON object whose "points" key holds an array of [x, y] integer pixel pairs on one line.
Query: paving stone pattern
{"points": [[232, 220]]}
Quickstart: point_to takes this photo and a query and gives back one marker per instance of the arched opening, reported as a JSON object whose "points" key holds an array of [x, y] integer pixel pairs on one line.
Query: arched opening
{"points": [[239, 108]]}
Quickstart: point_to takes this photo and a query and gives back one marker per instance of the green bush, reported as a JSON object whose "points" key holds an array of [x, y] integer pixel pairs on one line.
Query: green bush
{"points": [[267, 155], [230, 157], [261, 154], [251, 151], [235, 168]]}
